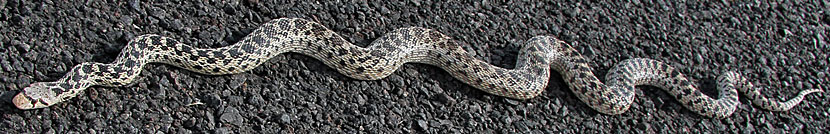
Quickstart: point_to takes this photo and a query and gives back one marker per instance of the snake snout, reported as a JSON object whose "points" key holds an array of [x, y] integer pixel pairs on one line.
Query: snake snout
{"points": [[32, 97], [21, 102]]}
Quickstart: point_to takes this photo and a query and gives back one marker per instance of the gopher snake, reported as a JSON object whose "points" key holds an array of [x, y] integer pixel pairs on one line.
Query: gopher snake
{"points": [[416, 45]]}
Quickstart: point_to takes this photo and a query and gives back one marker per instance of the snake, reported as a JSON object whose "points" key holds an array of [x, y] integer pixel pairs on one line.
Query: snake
{"points": [[526, 80]]}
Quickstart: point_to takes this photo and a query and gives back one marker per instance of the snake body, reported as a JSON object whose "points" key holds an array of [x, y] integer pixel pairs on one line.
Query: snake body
{"points": [[416, 45]]}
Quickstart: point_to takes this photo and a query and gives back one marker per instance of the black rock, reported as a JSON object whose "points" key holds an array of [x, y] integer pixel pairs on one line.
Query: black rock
{"points": [[213, 100], [256, 100], [422, 125], [444, 98], [231, 115], [222, 130], [285, 119], [511, 101]]}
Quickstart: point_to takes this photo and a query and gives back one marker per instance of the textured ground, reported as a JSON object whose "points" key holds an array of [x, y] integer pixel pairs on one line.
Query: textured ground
{"points": [[780, 46]]}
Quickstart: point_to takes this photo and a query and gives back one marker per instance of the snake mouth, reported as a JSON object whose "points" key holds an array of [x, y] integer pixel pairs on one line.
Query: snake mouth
{"points": [[22, 102]]}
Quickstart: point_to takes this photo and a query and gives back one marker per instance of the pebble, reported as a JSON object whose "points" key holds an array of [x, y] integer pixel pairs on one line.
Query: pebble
{"points": [[232, 116], [644, 126], [213, 100], [256, 100], [235, 99], [7, 66], [512, 101], [563, 111], [422, 125], [445, 99], [285, 119], [590, 125], [222, 130]]}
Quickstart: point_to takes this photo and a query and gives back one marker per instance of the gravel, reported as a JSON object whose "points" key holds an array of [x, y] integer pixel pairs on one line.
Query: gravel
{"points": [[780, 46]]}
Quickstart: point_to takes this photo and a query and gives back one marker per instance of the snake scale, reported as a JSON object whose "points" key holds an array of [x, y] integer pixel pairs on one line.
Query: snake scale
{"points": [[416, 45]]}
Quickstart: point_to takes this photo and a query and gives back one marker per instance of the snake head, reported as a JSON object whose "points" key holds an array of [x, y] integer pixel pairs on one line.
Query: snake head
{"points": [[38, 95]]}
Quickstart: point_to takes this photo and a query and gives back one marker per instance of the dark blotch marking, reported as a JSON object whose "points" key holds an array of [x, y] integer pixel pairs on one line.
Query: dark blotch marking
{"points": [[377, 53], [478, 80], [198, 67], [664, 67], [405, 31], [515, 76], [342, 52], [405, 36], [477, 69], [362, 59], [336, 41], [582, 68], [258, 39], [99, 73], [539, 71], [166, 47], [129, 63], [234, 52], [102, 67], [202, 53], [194, 57], [449, 62], [119, 69], [86, 68], [417, 30], [114, 74], [210, 60], [39, 101], [685, 83], [283, 24], [151, 47], [593, 84], [186, 49], [580, 76], [674, 73], [300, 24], [463, 73], [248, 48], [329, 55], [342, 63], [434, 36], [359, 70], [390, 48], [134, 53], [687, 91], [317, 28], [155, 39], [637, 64], [529, 77]]}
